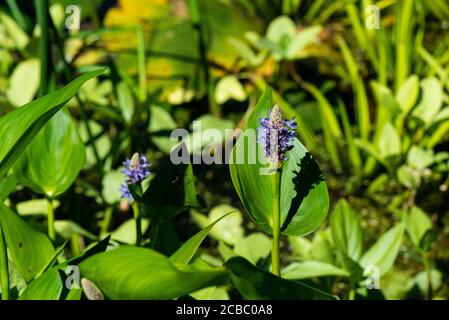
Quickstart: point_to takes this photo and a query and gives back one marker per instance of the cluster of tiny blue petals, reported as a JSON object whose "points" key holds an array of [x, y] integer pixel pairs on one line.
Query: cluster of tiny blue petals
{"points": [[276, 136], [136, 170]]}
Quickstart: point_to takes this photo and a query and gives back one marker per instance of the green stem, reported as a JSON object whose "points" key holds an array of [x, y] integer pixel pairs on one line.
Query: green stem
{"points": [[44, 44], [51, 220], [138, 219], [275, 186], [4, 270], [106, 221], [429, 275], [197, 23], [142, 69]]}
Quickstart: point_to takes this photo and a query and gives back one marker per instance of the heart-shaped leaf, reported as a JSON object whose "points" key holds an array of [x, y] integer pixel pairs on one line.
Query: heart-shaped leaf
{"points": [[54, 158], [130, 273]]}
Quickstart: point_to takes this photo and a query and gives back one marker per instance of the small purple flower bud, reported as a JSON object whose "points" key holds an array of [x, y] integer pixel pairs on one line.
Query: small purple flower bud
{"points": [[136, 170], [276, 135]]}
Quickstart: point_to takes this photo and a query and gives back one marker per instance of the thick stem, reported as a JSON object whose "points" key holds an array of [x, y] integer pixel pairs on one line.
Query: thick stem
{"points": [[275, 258], [51, 220], [138, 220], [4, 270]]}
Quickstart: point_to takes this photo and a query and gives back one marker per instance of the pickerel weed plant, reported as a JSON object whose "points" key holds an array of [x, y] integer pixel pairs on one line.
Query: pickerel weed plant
{"points": [[284, 191]]}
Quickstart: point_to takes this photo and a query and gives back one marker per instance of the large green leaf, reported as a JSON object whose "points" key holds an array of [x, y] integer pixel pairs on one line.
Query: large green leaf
{"points": [[383, 253], [29, 249], [53, 159], [304, 198], [255, 284], [48, 286], [139, 274], [346, 231], [19, 127]]}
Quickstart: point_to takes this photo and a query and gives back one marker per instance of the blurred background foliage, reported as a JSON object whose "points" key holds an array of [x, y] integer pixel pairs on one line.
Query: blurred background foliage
{"points": [[372, 106]]}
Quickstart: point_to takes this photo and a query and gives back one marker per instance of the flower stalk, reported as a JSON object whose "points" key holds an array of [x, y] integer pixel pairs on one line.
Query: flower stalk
{"points": [[276, 135], [276, 215]]}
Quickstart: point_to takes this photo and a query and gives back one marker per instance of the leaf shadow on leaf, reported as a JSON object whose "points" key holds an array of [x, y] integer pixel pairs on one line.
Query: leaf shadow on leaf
{"points": [[304, 180]]}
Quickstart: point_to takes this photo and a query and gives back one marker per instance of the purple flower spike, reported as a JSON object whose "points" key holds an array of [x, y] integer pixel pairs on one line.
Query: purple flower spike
{"points": [[276, 136], [136, 170]]}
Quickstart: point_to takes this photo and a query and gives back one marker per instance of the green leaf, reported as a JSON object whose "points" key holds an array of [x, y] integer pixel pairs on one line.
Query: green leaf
{"points": [[300, 247], [305, 37], [67, 228], [422, 282], [24, 82], [409, 177], [29, 249], [184, 254], [304, 197], [346, 231], [383, 253], [281, 32], [229, 88], [389, 141], [417, 224], [311, 269], [431, 100], [126, 232], [254, 247], [420, 158], [255, 284], [130, 273], [161, 125], [407, 94], [53, 159], [19, 127], [48, 286]]}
